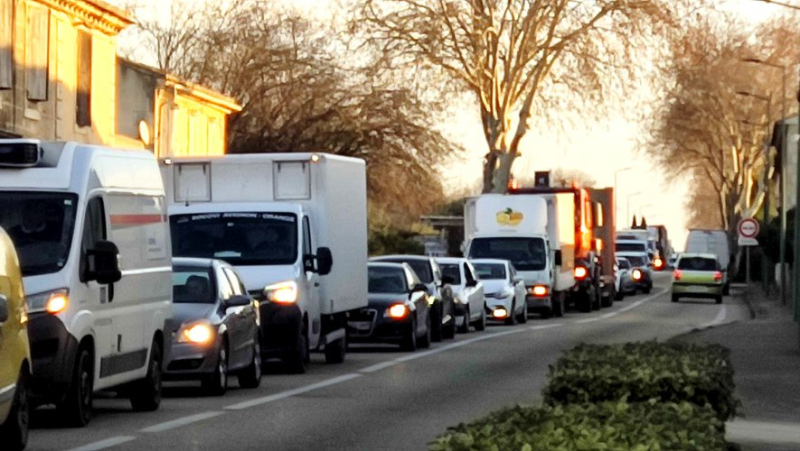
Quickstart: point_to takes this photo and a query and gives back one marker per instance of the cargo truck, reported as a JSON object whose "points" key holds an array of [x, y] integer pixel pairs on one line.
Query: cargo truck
{"points": [[294, 226]]}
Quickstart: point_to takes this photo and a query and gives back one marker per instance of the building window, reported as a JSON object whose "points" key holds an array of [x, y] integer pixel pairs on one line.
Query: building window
{"points": [[83, 106], [37, 48], [6, 44]]}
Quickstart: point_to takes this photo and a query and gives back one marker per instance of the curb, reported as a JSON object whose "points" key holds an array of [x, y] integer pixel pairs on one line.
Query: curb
{"points": [[745, 296]]}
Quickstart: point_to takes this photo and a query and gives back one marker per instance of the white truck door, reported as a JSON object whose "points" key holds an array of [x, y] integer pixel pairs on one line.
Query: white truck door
{"points": [[311, 288]]}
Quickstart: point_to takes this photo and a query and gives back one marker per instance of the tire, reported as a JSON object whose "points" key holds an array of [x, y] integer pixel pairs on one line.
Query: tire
{"points": [[647, 289], [619, 295], [410, 343], [216, 384], [584, 303], [523, 317], [675, 298], [726, 289], [297, 361], [596, 299], [76, 408], [250, 377], [435, 317], [558, 305], [425, 340], [337, 351], [145, 394], [480, 324], [14, 432], [719, 299], [449, 331], [464, 328], [512, 316], [607, 301]]}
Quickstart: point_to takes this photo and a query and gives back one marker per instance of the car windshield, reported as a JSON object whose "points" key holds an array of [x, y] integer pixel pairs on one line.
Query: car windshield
{"points": [[451, 270], [490, 271], [421, 267], [41, 227], [637, 261], [192, 285], [386, 280], [631, 247], [240, 238], [698, 264], [624, 264], [527, 254]]}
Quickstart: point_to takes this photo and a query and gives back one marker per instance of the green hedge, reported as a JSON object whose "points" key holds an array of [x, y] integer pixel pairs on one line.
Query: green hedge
{"points": [[638, 372], [604, 426]]}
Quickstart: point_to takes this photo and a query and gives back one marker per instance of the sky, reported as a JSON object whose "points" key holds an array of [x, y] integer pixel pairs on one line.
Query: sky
{"points": [[602, 149]]}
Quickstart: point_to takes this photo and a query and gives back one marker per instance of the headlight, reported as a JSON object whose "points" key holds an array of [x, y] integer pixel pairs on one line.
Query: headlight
{"points": [[200, 332], [500, 313], [636, 275], [281, 293], [52, 302], [397, 311], [539, 290]]}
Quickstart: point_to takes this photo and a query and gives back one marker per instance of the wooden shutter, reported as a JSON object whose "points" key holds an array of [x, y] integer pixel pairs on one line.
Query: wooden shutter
{"points": [[83, 105], [6, 44], [37, 48]]}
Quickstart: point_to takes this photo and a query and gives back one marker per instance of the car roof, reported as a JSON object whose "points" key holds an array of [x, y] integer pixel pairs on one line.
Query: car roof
{"points": [[489, 260], [451, 260], [698, 255], [192, 261], [387, 265], [404, 257]]}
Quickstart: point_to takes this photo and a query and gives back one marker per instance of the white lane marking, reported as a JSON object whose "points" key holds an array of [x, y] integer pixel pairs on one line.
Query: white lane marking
{"points": [[378, 366], [609, 315], [546, 326], [588, 320], [718, 320], [290, 393], [103, 444], [182, 421], [624, 309]]}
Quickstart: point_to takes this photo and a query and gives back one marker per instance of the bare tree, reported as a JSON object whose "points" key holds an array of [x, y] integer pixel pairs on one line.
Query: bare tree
{"points": [[521, 59]]}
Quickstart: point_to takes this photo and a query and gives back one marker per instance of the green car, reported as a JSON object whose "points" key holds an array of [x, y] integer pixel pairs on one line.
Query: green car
{"points": [[697, 276]]}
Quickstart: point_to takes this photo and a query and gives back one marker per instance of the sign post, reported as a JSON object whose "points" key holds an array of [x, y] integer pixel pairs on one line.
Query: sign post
{"points": [[748, 230]]}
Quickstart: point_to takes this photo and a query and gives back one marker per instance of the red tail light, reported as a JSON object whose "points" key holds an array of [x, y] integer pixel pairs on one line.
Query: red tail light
{"points": [[717, 276], [581, 272], [658, 263], [677, 275], [637, 275]]}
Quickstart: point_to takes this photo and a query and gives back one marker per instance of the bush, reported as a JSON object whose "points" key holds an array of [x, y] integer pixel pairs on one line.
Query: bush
{"points": [[639, 372], [604, 426]]}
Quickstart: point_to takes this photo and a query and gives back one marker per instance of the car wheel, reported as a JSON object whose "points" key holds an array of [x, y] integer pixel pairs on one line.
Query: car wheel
{"points": [[337, 351], [596, 299], [464, 328], [647, 290], [410, 343], [675, 298], [480, 324], [719, 299], [14, 432], [425, 340], [216, 384], [146, 393], [512, 315], [584, 302], [449, 330], [619, 295], [437, 313], [297, 360], [76, 409], [523, 316], [726, 289], [250, 377]]}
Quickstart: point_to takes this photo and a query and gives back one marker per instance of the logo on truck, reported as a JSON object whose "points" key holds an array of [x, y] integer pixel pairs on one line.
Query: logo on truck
{"points": [[509, 217]]}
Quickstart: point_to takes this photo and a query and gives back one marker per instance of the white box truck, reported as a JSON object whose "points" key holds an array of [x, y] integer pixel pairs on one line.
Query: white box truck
{"points": [[535, 233], [295, 227], [91, 230]]}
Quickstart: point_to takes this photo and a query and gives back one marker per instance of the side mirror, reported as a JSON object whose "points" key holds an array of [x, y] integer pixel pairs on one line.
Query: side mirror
{"points": [[103, 263], [558, 257], [238, 301], [3, 309], [324, 261], [518, 279], [448, 279], [419, 287]]}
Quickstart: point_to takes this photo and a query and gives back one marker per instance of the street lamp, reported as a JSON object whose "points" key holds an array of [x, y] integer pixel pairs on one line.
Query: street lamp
{"points": [[782, 187], [616, 173], [628, 208]]}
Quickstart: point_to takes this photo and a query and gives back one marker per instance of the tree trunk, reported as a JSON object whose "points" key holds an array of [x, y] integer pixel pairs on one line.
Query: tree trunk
{"points": [[502, 173]]}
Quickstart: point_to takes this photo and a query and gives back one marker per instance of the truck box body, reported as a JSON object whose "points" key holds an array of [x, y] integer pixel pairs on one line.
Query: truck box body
{"points": [[330, 190], [710, 242], [604, 230]]}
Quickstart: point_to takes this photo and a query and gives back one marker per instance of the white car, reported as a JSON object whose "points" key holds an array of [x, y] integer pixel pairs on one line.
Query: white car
{"points": [[468, 297], [505, 290]]}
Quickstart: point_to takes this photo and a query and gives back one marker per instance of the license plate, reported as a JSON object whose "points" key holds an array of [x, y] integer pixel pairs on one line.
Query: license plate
{"points": [[360, 325], [697, 288]]}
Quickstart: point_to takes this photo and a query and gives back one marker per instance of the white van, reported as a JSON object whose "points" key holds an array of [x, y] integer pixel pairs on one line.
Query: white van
{"points": [[91, 230], [702, 241], [295, 227]]}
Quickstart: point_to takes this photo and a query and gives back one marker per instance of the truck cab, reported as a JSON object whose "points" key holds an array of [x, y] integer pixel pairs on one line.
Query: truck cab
{"points": [[294, 227]]}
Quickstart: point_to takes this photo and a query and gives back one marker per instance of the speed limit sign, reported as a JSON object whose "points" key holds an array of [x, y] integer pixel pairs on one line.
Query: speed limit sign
{"points": [[748, 230]]}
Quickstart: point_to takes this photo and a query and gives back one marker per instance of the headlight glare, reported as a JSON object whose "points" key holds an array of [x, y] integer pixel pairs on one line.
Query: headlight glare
{"points": [[282, 293]]}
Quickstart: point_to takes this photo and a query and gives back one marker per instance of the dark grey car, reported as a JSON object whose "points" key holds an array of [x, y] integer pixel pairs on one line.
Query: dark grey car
{"points": [[214, 327]]}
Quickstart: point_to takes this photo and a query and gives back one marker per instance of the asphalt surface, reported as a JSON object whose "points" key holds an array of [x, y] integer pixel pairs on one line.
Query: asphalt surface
{"points": [[380, 398]]}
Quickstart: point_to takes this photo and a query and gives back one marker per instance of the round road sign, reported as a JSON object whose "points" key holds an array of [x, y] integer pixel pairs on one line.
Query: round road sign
{"points": [[748, 228]]}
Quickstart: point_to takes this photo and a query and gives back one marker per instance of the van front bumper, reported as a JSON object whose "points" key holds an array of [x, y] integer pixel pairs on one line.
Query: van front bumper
{"points": [[53, 351]]}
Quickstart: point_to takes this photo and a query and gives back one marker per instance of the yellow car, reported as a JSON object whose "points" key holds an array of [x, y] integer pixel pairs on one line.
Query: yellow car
{"points": [[14, 350], [697, 276]]}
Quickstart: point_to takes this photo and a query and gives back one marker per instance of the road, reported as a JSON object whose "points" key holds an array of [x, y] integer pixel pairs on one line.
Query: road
{"points": [[380, 398]]}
